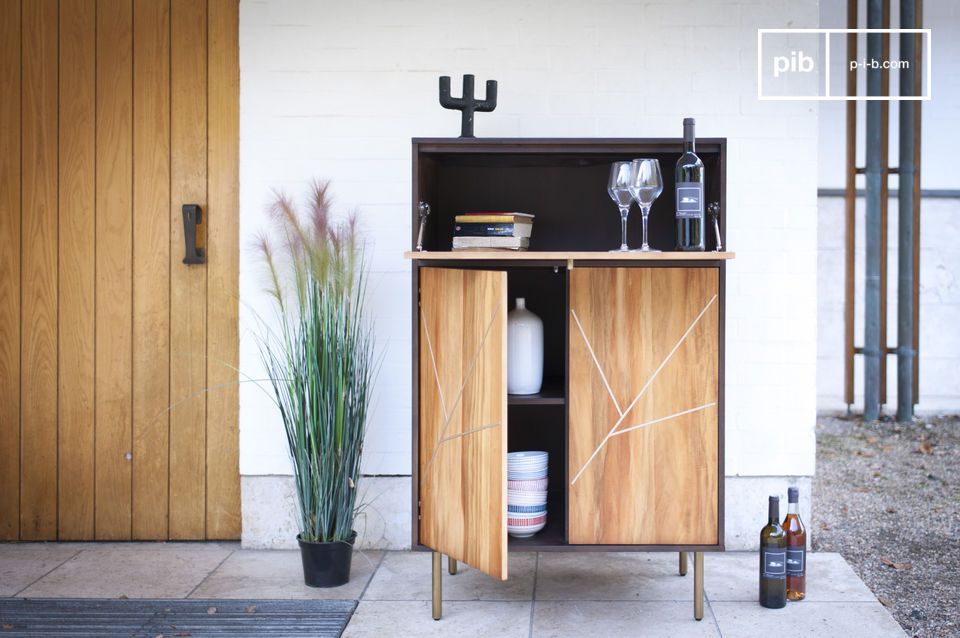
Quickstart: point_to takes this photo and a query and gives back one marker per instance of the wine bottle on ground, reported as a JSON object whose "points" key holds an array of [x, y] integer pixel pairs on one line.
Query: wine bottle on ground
{"points": [[773, 560], [796, 547], [689, 187]]}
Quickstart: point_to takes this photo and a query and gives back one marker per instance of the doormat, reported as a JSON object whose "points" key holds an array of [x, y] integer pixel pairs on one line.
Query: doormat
{"points": [[173, 618]]}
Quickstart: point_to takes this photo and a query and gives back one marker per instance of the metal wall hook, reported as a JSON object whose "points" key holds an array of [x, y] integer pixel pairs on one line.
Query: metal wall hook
{"points": [[424, 209], [714, 210]]}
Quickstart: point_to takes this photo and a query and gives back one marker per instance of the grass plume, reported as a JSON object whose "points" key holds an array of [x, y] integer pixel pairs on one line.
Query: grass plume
{"points": [[321, 360]]}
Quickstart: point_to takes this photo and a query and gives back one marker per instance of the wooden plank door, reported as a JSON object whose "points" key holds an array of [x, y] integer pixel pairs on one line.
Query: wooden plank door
{"points": [[463, 416], [643, 419], [118, 384]]}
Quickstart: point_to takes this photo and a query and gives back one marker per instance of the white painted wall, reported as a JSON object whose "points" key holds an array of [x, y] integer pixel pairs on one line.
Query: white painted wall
{"points": [[337, 89], [939, 237], [939, 306], [940, 114]]}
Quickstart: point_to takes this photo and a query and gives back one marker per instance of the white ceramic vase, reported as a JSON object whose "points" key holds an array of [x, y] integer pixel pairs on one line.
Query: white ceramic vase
{"points": [[524, 350]]}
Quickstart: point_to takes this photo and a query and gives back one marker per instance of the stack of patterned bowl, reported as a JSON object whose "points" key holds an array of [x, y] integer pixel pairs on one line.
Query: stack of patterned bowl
{"points": [[526, 493]]}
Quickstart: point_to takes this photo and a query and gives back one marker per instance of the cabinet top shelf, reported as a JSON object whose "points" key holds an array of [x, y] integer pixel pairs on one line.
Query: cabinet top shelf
{"points": [[563, 255]]}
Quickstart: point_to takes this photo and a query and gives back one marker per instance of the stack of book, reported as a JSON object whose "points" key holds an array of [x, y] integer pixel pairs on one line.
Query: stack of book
{"points": [[492, 231]]}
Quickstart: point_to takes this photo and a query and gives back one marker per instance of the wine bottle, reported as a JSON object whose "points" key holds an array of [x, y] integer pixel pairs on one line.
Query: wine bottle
{"points": [[773, 560], [689, 191], [796, 547]]}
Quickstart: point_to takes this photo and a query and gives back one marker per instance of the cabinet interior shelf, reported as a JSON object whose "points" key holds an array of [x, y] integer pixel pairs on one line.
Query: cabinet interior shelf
{"points": [[550, 536], [551, 393]]}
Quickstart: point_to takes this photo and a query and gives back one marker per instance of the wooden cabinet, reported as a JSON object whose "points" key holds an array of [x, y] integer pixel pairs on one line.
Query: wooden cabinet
{"points": [[631, 410]]}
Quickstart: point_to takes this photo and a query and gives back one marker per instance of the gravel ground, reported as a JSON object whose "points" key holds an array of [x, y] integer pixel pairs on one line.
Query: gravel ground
{"points": [[887, 497]]}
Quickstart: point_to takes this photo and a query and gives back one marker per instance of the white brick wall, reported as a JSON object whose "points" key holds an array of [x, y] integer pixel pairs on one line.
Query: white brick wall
{"points": [[940, 236], [939, 306], [940, 114], [337, 89]]}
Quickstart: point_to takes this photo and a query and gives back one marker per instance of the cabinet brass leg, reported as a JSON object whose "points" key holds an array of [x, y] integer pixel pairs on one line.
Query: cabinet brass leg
{"points": [[698, 585], [683, 563], [452, 565], [437, 586]]}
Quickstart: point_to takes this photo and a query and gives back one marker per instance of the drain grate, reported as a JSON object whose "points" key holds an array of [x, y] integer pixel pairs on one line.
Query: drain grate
{"points": [[173, 618]]}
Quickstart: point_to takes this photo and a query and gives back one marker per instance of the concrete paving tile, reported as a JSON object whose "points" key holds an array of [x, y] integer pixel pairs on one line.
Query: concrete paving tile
{"points": [[620, 618], [23, 563], [850, 619], [278, 573], [733, 576], [464, 619], [406, 576], [612, 576], [132, 571]]}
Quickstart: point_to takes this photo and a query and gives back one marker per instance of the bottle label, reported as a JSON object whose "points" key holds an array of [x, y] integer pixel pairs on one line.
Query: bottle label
{"points": [[796, 559], [774, 563], [689, 200]]}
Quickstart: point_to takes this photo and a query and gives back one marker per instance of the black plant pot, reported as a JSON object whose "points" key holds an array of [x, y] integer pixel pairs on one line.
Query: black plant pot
{"points": [[326, 564]]}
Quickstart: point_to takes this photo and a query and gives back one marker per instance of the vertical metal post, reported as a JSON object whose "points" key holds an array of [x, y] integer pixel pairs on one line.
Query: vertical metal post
{"points": [[884, 201], [871, 332], [437, 589], [698, 585], [905, 353], [683, 563], [452, 565], [917, 142], [850, 212]]}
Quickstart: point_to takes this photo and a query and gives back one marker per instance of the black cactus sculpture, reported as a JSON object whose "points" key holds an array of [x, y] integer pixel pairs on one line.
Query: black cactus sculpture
{"points": [[467, 105]]}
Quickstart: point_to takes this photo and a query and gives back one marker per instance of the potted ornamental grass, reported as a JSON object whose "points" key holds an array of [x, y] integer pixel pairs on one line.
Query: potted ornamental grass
{"points": [[319, 358]]}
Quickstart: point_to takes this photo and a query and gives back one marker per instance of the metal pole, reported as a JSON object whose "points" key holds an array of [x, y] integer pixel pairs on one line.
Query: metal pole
{"points": [[905, 352], [918, 169], [871, 327], [884, 200], [850, 214]]}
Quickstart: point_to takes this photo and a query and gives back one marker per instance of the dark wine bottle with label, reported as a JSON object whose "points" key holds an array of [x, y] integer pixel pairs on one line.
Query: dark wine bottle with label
{"points": [[796, 547], [689, 191], [773, 560]]}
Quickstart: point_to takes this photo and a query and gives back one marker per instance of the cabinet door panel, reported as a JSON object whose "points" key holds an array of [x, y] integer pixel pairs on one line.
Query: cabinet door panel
{"points": [[644, 414], [463, 416]]}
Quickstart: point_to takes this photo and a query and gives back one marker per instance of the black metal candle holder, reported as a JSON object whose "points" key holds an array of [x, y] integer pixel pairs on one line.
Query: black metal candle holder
{"points": [[466, 104]]}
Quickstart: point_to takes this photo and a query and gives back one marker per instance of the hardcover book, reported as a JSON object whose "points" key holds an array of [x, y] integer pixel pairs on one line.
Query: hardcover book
{"points": [[495, 217], [488, 243], [491, 229]]}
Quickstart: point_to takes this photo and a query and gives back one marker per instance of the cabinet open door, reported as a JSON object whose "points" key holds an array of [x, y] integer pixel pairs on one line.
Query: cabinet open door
{"points": [[463, 416], [644, 403]]}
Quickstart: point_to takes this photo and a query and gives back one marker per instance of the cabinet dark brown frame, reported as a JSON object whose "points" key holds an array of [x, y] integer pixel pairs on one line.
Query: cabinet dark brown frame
{"points": [[432, 155]]}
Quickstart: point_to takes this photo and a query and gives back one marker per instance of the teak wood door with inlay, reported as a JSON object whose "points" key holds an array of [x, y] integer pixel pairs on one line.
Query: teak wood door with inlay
{"points": [[118, 385], [463, 416], [643, 406]]}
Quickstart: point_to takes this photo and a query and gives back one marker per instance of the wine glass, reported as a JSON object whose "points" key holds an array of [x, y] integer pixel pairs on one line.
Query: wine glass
{"points": [[646, 184], [619, 189]]}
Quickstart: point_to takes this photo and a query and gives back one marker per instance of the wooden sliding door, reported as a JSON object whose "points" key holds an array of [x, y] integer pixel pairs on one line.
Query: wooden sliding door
{"points": [[643, 421], [118, 391], [463, 416]]}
